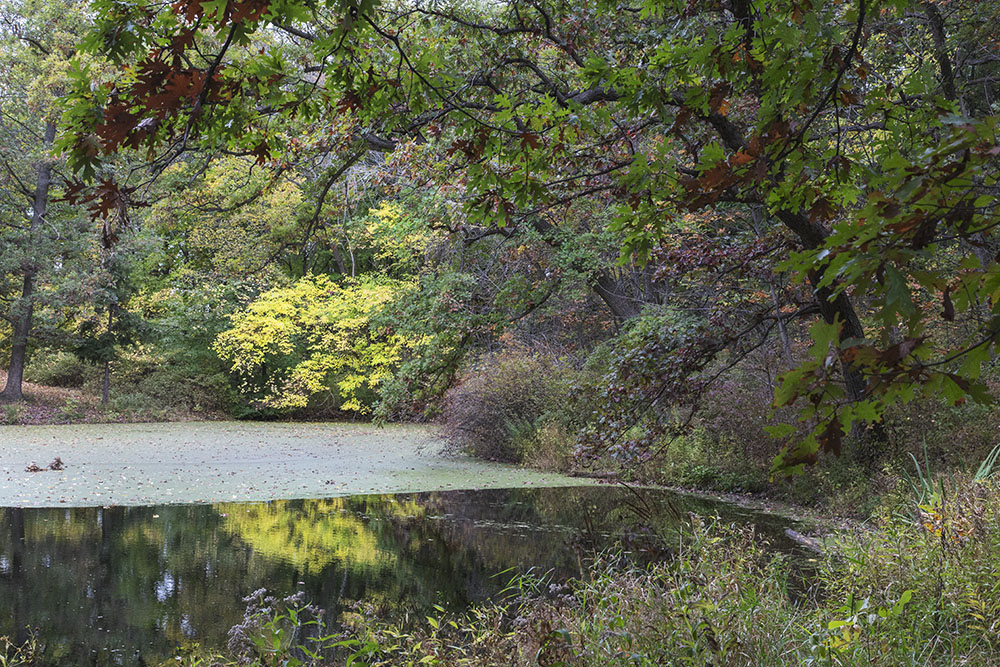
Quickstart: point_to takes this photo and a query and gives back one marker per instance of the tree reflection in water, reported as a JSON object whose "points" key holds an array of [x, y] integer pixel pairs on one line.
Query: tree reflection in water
{"points": [[121, 585]]}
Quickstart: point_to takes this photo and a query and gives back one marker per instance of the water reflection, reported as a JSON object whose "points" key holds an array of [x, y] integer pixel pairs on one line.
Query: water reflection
{"points": [[126, 585]]}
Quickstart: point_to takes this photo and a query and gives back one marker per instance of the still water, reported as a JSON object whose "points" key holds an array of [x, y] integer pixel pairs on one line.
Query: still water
{"points": [[127, 585]]}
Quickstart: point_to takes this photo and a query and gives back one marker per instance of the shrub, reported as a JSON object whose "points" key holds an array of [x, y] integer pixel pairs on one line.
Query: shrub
{"points": [[195, 381], [736, 409], [943, 554], [130, 403], [551, 446], [951, 435], [58, 368], [499, 406], [72, 410], [12, 413], [297, 346]]}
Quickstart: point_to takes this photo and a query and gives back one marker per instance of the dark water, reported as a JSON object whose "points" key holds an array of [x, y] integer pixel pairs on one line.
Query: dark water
{"points": [[127, 585]]}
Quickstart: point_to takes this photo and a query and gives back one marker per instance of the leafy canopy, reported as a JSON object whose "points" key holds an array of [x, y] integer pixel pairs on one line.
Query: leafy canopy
{"points": [[841, 121]]}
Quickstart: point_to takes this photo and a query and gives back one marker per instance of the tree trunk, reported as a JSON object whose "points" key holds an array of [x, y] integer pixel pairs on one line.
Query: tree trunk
{"points": [[19, 348], [935, 23], [871, 440], [605, 285], [786, 342], [621, 305], [812, 235], [338, 259], [106, 384], [24, 310]]}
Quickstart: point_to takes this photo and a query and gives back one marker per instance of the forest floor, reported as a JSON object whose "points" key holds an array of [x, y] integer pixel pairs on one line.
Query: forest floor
{"points": [[147, 464], [63, 405], [44, 405]]}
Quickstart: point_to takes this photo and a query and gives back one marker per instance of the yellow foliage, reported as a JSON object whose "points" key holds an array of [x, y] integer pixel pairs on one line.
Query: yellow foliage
{"points": [[295, 342], [310, 534], [396, 237]]}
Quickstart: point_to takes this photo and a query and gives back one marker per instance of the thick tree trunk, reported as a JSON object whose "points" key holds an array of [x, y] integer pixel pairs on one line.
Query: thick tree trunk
{"points": [[604, 284], [622, 306], [812, 235], [24, 310], [19, 347], [338, 259], [870, 441]]}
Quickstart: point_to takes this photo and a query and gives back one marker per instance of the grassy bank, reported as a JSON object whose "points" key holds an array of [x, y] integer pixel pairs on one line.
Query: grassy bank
{"points": [[915, 588]]}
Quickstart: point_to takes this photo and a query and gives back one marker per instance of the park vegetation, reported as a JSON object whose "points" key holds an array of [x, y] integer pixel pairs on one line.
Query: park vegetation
{"points": [[628, 240], [739, 245]]}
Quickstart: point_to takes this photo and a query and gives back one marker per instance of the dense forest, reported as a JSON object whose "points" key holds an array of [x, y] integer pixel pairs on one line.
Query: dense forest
{"points": [[606, 226], [731, 244], [595, 229]]}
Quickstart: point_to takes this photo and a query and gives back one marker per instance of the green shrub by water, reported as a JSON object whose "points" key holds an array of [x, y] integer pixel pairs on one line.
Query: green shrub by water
{"points": [[58, 368]]}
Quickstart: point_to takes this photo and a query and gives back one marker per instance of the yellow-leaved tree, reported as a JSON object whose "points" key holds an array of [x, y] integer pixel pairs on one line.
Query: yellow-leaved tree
{"points": [[311, 343]]}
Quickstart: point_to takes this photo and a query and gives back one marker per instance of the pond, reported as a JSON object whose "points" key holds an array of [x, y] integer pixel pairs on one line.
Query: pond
{"points": [[210, 462], [127, 585]]}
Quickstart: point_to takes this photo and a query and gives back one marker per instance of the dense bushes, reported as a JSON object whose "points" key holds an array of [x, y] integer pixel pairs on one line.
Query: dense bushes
{"points": [[499, 405], [146, 379], [524, 405], [57, 368], [167, 379]]}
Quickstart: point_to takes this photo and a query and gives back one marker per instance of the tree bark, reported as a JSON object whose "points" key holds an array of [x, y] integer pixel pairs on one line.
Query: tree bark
{"points": [[786, 342], [871, 440], [935, 23], [106, 384], [604, 284], [621, 305], [24, 309], [338, 259]]}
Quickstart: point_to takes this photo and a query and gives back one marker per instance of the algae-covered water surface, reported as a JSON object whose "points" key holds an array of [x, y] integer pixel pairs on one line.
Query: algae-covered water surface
{"points": [[129, 580], [206, 462]]}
